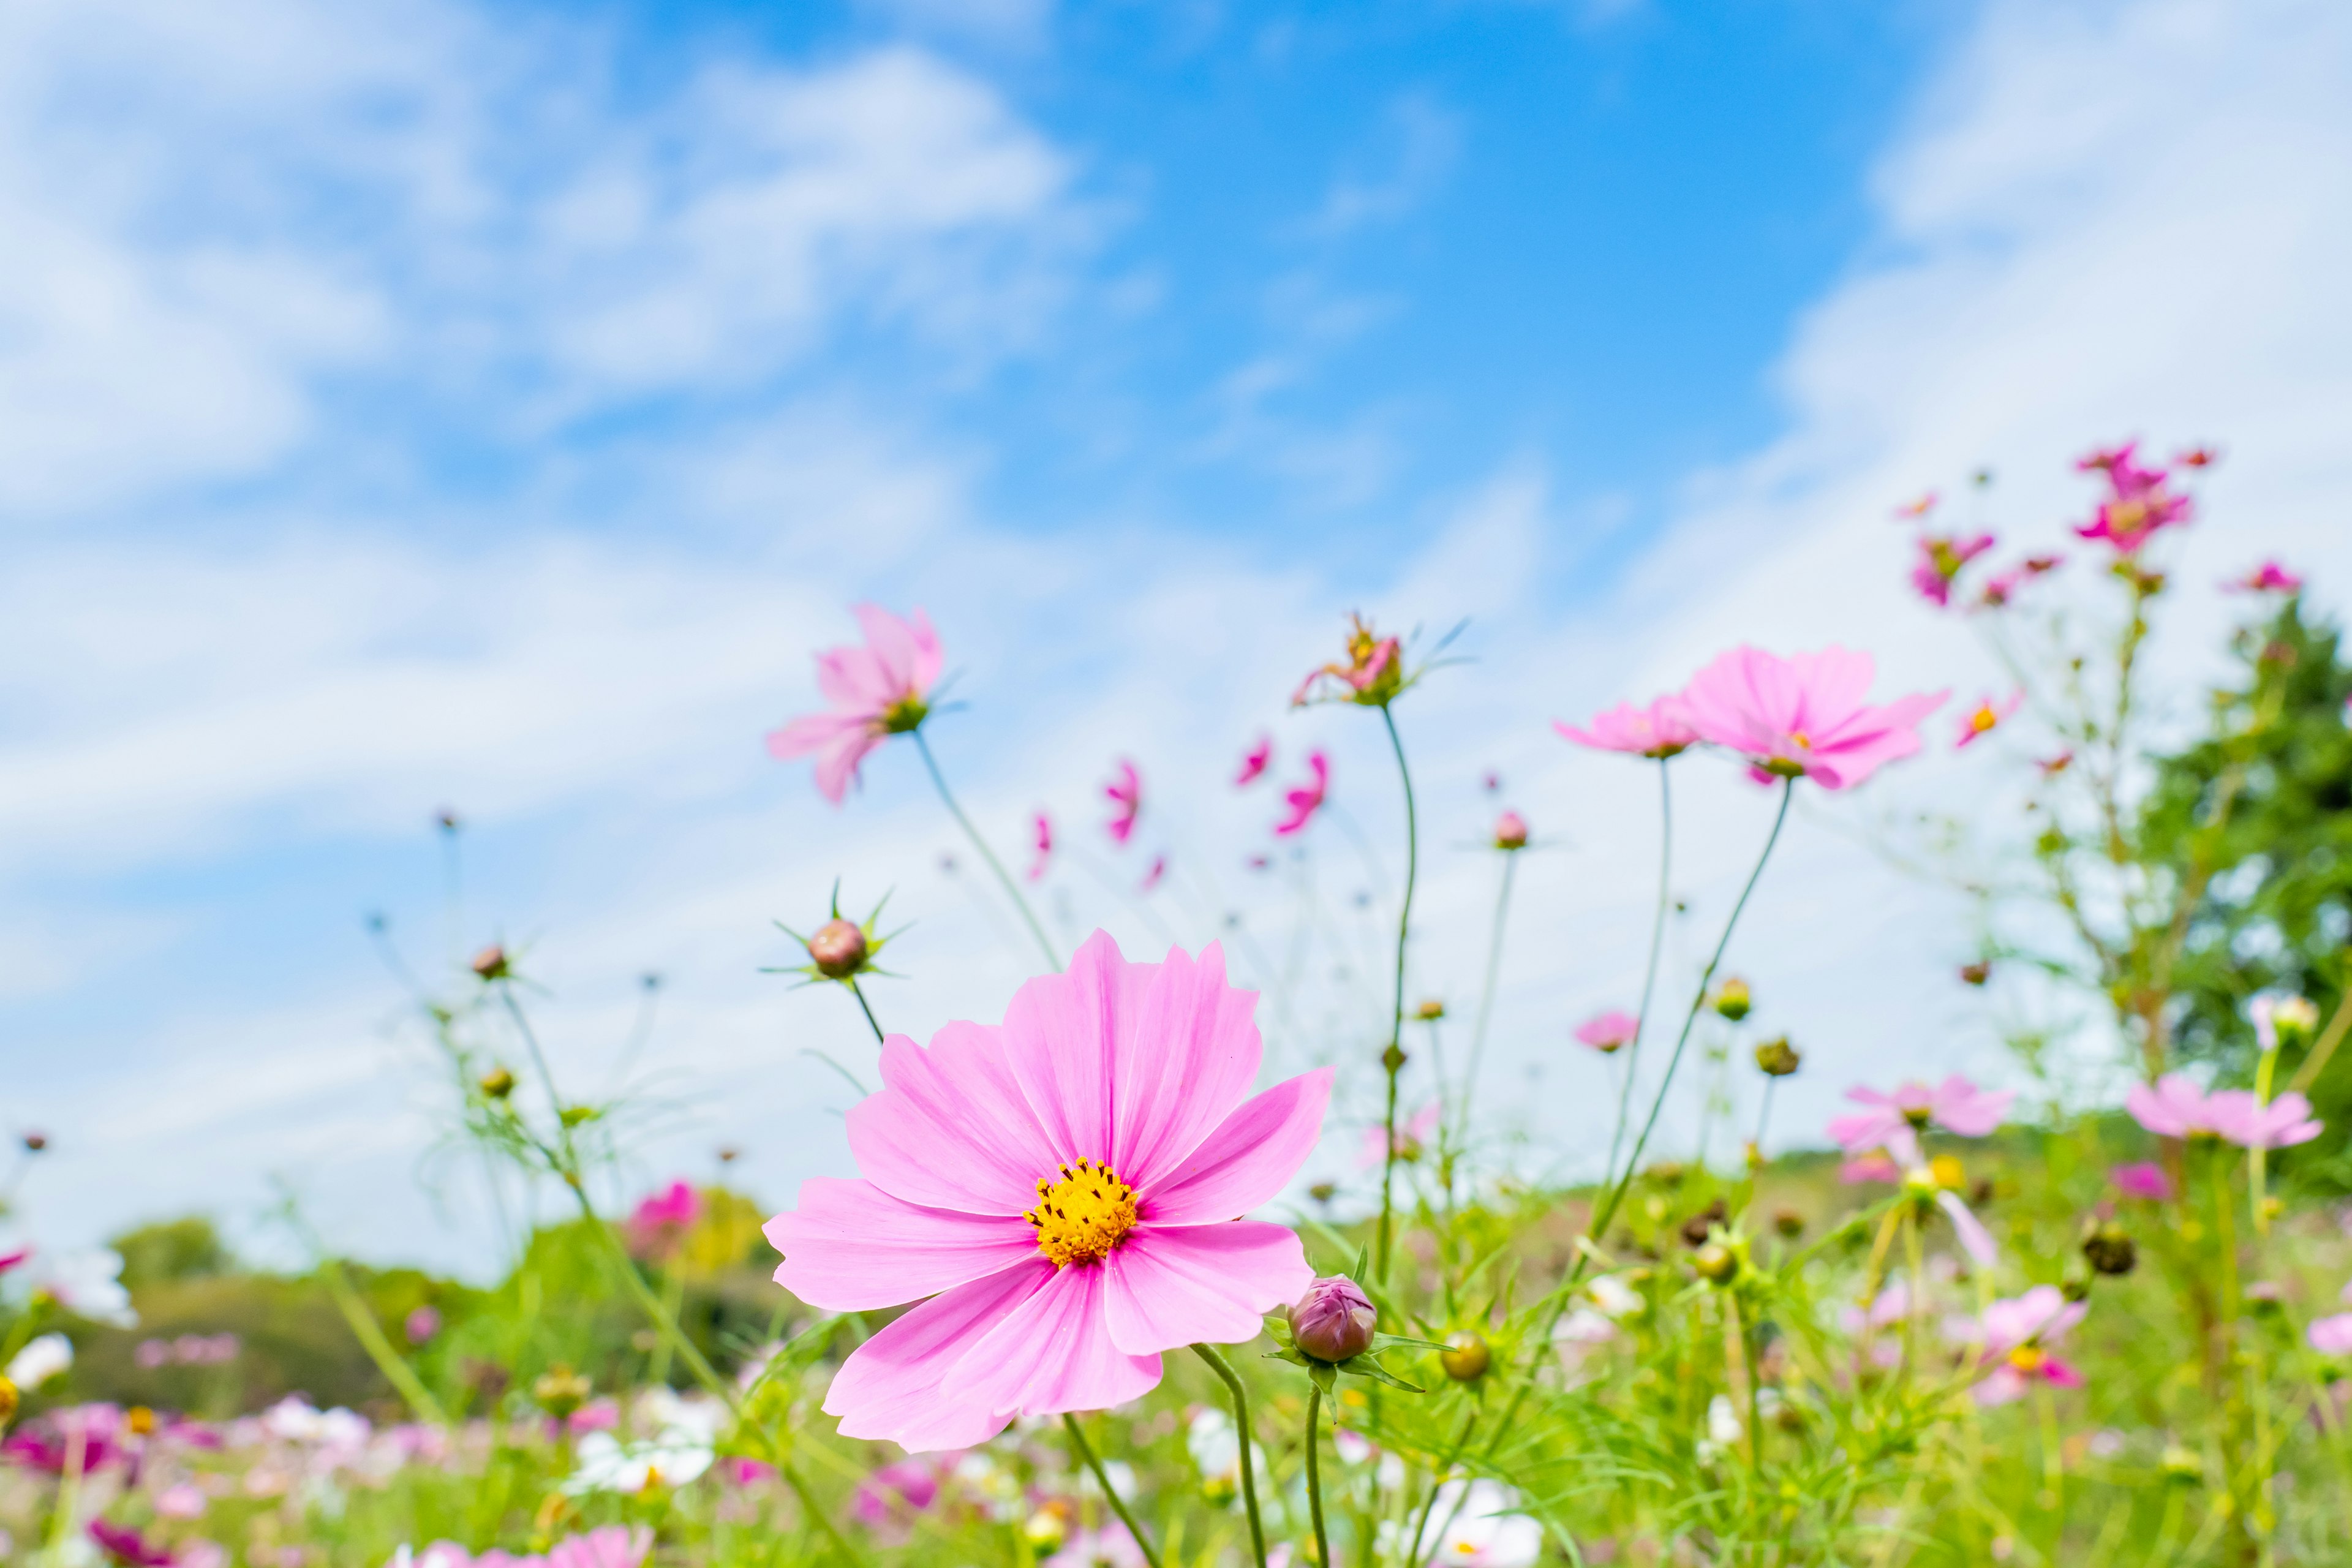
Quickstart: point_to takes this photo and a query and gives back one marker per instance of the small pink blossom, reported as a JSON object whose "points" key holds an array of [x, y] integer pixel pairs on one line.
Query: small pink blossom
{"points": [[596, 1416], [422, 1324], [1307, 799], [1941, 558], [1372, 676], [1041, 839], [1108, 1546], [1986, 716], [2019, 1332], [1254, 762], [1804, 717], [182, 1499], [2270, 577], [1662, 730], [1605, 1032], [743, 1471], [1877, 1165], [659, 1222], [2138, 505], [2176, 1108], [2145, 1179], [1510, 831], [1125, 794], [2332, 1335], [127, 1546], [1894, 1120], [891, 1495], [1411, 1139], [1894, 1305], [878, 690]]}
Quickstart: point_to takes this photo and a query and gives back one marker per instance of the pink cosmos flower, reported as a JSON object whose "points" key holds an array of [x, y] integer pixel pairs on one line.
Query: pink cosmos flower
{"points": [[2146, 1179], [1805, 716], [2331, 1336], [613, 1546], [2176, 1108], [422, 1324], [659, 1222], [1254, 762], [1893, 1121], [1662, 730], [1894, 1305], [1152, 877], [1041, 838], [2020, 1332], [1510, 831], [1605, 1032], [1125, 794], [1062, 1189], [902, 1487], [1986, 716], [877, 692], [127, 1546], [1877, 1165], [1941, 557], [1110, 1546], [2284, 1121], [2270, 577], [1372, 676], [2137, 503], [1411, 1139], [1307, 798]]}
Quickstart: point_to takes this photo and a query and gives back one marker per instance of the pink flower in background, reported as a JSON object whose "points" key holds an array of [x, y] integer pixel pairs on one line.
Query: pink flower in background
{"points": [[2250, 1124], [1307, 799], [2270, 577], [1152, 877], [596, 1416], [1041, 830], [613, 1546], [1893, 1121], [889, 1496], [1894, 1305], [1662, 730], [2139, 503], [127, 1546], [659, 1222], [10, 1259], [1877, 1165], [182, 1499], [2145, 1179], [1605, 1032], [422, 1324], [741, 1471], [878, 690], [1372, 676], [2176, 1108], [1941, 557], [1254, 762], [2019, 1332], [1986, 716], [2331, 1336], [1062, 1189], [1125, 794], [1411, 1139], [1108, 1546], [1804, 716]]}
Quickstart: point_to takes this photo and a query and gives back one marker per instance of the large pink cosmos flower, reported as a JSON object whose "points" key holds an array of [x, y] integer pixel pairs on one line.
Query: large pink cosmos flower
{"points": [[1986, 716], [1662, 730], [1125, 794], [1062, 1188], [877, 692], [1805, 716], [2176, 1108], [2137, 504], [1893, 1121], [1941, 557], [1307, 798], [1604, 1032], [1254, 762], [2019, 1332]]}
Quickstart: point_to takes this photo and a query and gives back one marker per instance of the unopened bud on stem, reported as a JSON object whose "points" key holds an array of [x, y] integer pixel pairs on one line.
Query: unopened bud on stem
{"points": [[838, 949], [1334, 1320]]}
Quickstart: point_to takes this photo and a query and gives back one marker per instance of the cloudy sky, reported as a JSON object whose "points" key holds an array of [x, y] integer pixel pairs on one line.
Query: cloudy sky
{"points": [[492, 407]]}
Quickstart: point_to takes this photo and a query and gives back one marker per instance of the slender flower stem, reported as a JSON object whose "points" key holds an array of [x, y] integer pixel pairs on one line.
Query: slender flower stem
{"points": [[1487, 990], [1012, 890], [371, 1336], [1650, 971], [1087, 1454], [1315, 1478], [1242, 1425], [1437, 1485], [1393, 1059], [864, 1006]]}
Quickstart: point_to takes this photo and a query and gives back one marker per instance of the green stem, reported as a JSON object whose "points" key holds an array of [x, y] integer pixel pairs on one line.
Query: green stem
{"points": [[1012, 890], [1650, 971], [1242, 1425], [871, 1021], [1487, 990], [1395, 1059], [1437, 1484], [369, 1334], [1315, 1477], [1087, 1454]]}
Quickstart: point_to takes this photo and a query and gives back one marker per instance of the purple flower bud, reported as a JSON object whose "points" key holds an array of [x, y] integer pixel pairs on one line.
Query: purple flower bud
{"points": [[838, 949], [1334, 1320]]}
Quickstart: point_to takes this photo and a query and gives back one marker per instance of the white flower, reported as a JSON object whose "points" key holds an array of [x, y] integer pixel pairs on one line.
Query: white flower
{"points": [[1215, 1446], [1723, 1426], [1614, 1297], [50, 1355], [680, 1419], [1583, 1327], [609, 1465], [88, 1284], [1475, 1524]]}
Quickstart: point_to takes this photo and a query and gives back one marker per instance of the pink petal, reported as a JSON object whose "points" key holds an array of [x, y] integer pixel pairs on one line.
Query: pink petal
{"points": [[948, 1129], [891, 1386], [837, 769], [1169, 1286], [811, 732], [1183, 1069], [1061, 1037], [1053, 1353], [850, 1246], [1248, 1160], [1975, 1239]]}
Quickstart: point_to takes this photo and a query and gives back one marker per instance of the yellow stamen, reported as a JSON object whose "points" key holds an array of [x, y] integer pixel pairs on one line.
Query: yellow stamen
{"points": [[1082, 1217], [2026, 1359], [1803, 741], [1983, 718]]}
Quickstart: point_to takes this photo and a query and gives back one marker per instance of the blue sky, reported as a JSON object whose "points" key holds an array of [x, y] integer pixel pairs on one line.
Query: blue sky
{"points": [[492, 407]]}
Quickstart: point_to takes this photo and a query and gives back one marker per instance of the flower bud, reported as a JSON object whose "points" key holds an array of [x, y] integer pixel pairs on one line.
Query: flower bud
{"points": [[838, 949], [560, 1391], [1777, 1059], [2110, 1249], [1323, 1191], [1700, 1226], [497, 1083], [1731, 999], [1716, 1264], [1789, 1222], [1334, 1320], [35, 1141], [490, 963], [1394, 1059], [2182, 1464], [1466, 1357], [1431, 1011], [1510, 831], [1977, 973]]}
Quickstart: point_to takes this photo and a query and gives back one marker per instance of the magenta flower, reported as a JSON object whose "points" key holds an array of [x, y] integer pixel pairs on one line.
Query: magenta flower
{"points": [[2176, 1108], [1334, 1320], [1986, 716], [2270, 577], [1893, 1121], [1062, 1188], [1042, 839], [421, 1325], [2019, 1332], [903, 1488], [2331, 1336], [2137, 503], [1254, 762], [877, 692], [1805, 716], [1941, 557], [1605, 1032], [659, 1222], [1125, 794], [2145, 1179], [612, 1546], [127, 1546], [1662, 730], [1307, 799]]}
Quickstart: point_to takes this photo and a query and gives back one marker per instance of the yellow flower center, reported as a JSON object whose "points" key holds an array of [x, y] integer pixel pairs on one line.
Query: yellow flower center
{"points": [[905, 714], [1947, 1173], [1805, 742], [1983, 718], [2025, 1357], [1082, 1217]]}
